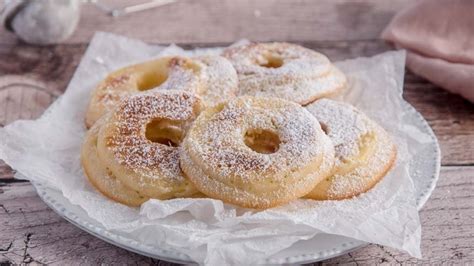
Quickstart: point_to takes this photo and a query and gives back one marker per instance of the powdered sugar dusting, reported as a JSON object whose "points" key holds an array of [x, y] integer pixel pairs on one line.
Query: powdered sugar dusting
{"points": [[226, 129], [181, 78], [219, 77], [344, 124], [130, 146], [304, 75], [212, 77], [101, 177], [216, 144], [363, 150], [108, 92]]}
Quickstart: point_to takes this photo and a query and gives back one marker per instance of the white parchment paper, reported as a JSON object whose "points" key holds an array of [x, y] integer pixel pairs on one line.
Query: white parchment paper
{"points": [[47, 150]]}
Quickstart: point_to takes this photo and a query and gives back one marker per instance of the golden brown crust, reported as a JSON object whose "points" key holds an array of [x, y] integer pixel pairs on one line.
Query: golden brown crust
{"points": [[213, 77], [140, 142], [101, 178], [229, 195], [137, 78]]}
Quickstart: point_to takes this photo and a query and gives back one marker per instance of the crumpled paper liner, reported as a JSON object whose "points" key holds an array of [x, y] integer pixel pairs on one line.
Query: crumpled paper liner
{"points": [[47, 150]]}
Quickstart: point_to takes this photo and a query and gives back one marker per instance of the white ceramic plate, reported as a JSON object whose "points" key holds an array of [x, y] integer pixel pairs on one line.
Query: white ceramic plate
{"points": [[424, 170]]}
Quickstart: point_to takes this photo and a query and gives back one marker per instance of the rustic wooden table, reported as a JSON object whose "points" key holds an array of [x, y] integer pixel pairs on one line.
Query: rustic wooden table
{"points": [[31, 77]]}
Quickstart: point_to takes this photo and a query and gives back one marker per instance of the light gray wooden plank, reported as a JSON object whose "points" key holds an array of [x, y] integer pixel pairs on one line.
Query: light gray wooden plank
{"points": [[447, 226]]}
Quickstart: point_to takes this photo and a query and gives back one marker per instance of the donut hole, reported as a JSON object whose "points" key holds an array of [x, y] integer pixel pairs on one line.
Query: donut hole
{"points": [[262, 141], [272, 61], [165, 132], [151, 80], [324, 127]]}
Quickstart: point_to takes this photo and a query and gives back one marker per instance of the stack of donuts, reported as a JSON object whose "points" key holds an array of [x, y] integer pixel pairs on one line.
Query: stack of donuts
{"points": [[254, 127]]}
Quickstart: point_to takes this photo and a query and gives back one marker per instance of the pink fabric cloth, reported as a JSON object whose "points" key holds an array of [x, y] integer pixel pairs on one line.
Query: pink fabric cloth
{"points": [[439, 38]]}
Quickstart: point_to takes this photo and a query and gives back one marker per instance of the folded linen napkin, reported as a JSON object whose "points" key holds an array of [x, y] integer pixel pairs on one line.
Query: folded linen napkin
{"points": [[439, 38]]}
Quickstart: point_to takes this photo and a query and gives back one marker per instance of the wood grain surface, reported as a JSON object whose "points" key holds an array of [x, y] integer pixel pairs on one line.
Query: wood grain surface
{"points": [[32, 232], [210, 21], [32, 77]]}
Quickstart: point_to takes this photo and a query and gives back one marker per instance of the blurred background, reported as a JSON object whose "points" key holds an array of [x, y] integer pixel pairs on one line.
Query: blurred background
{"points": [[211, 21]]}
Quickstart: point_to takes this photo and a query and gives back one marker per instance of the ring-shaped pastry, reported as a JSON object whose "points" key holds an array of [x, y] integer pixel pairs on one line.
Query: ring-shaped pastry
{"points": [[284, 70], [364, 152], [101, 177], [140, 142], [212, 77], [255, 152]]}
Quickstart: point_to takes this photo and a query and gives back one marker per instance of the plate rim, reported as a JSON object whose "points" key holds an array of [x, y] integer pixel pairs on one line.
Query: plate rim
{"points": [[177, 257]]}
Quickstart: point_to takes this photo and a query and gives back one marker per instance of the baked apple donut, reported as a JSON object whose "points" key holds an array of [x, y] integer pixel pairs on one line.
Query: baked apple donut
{"points": [[219, 78], [364, 151], [140, 142], [255, 152], [213, 77], [101, 177], [285, 71]]}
